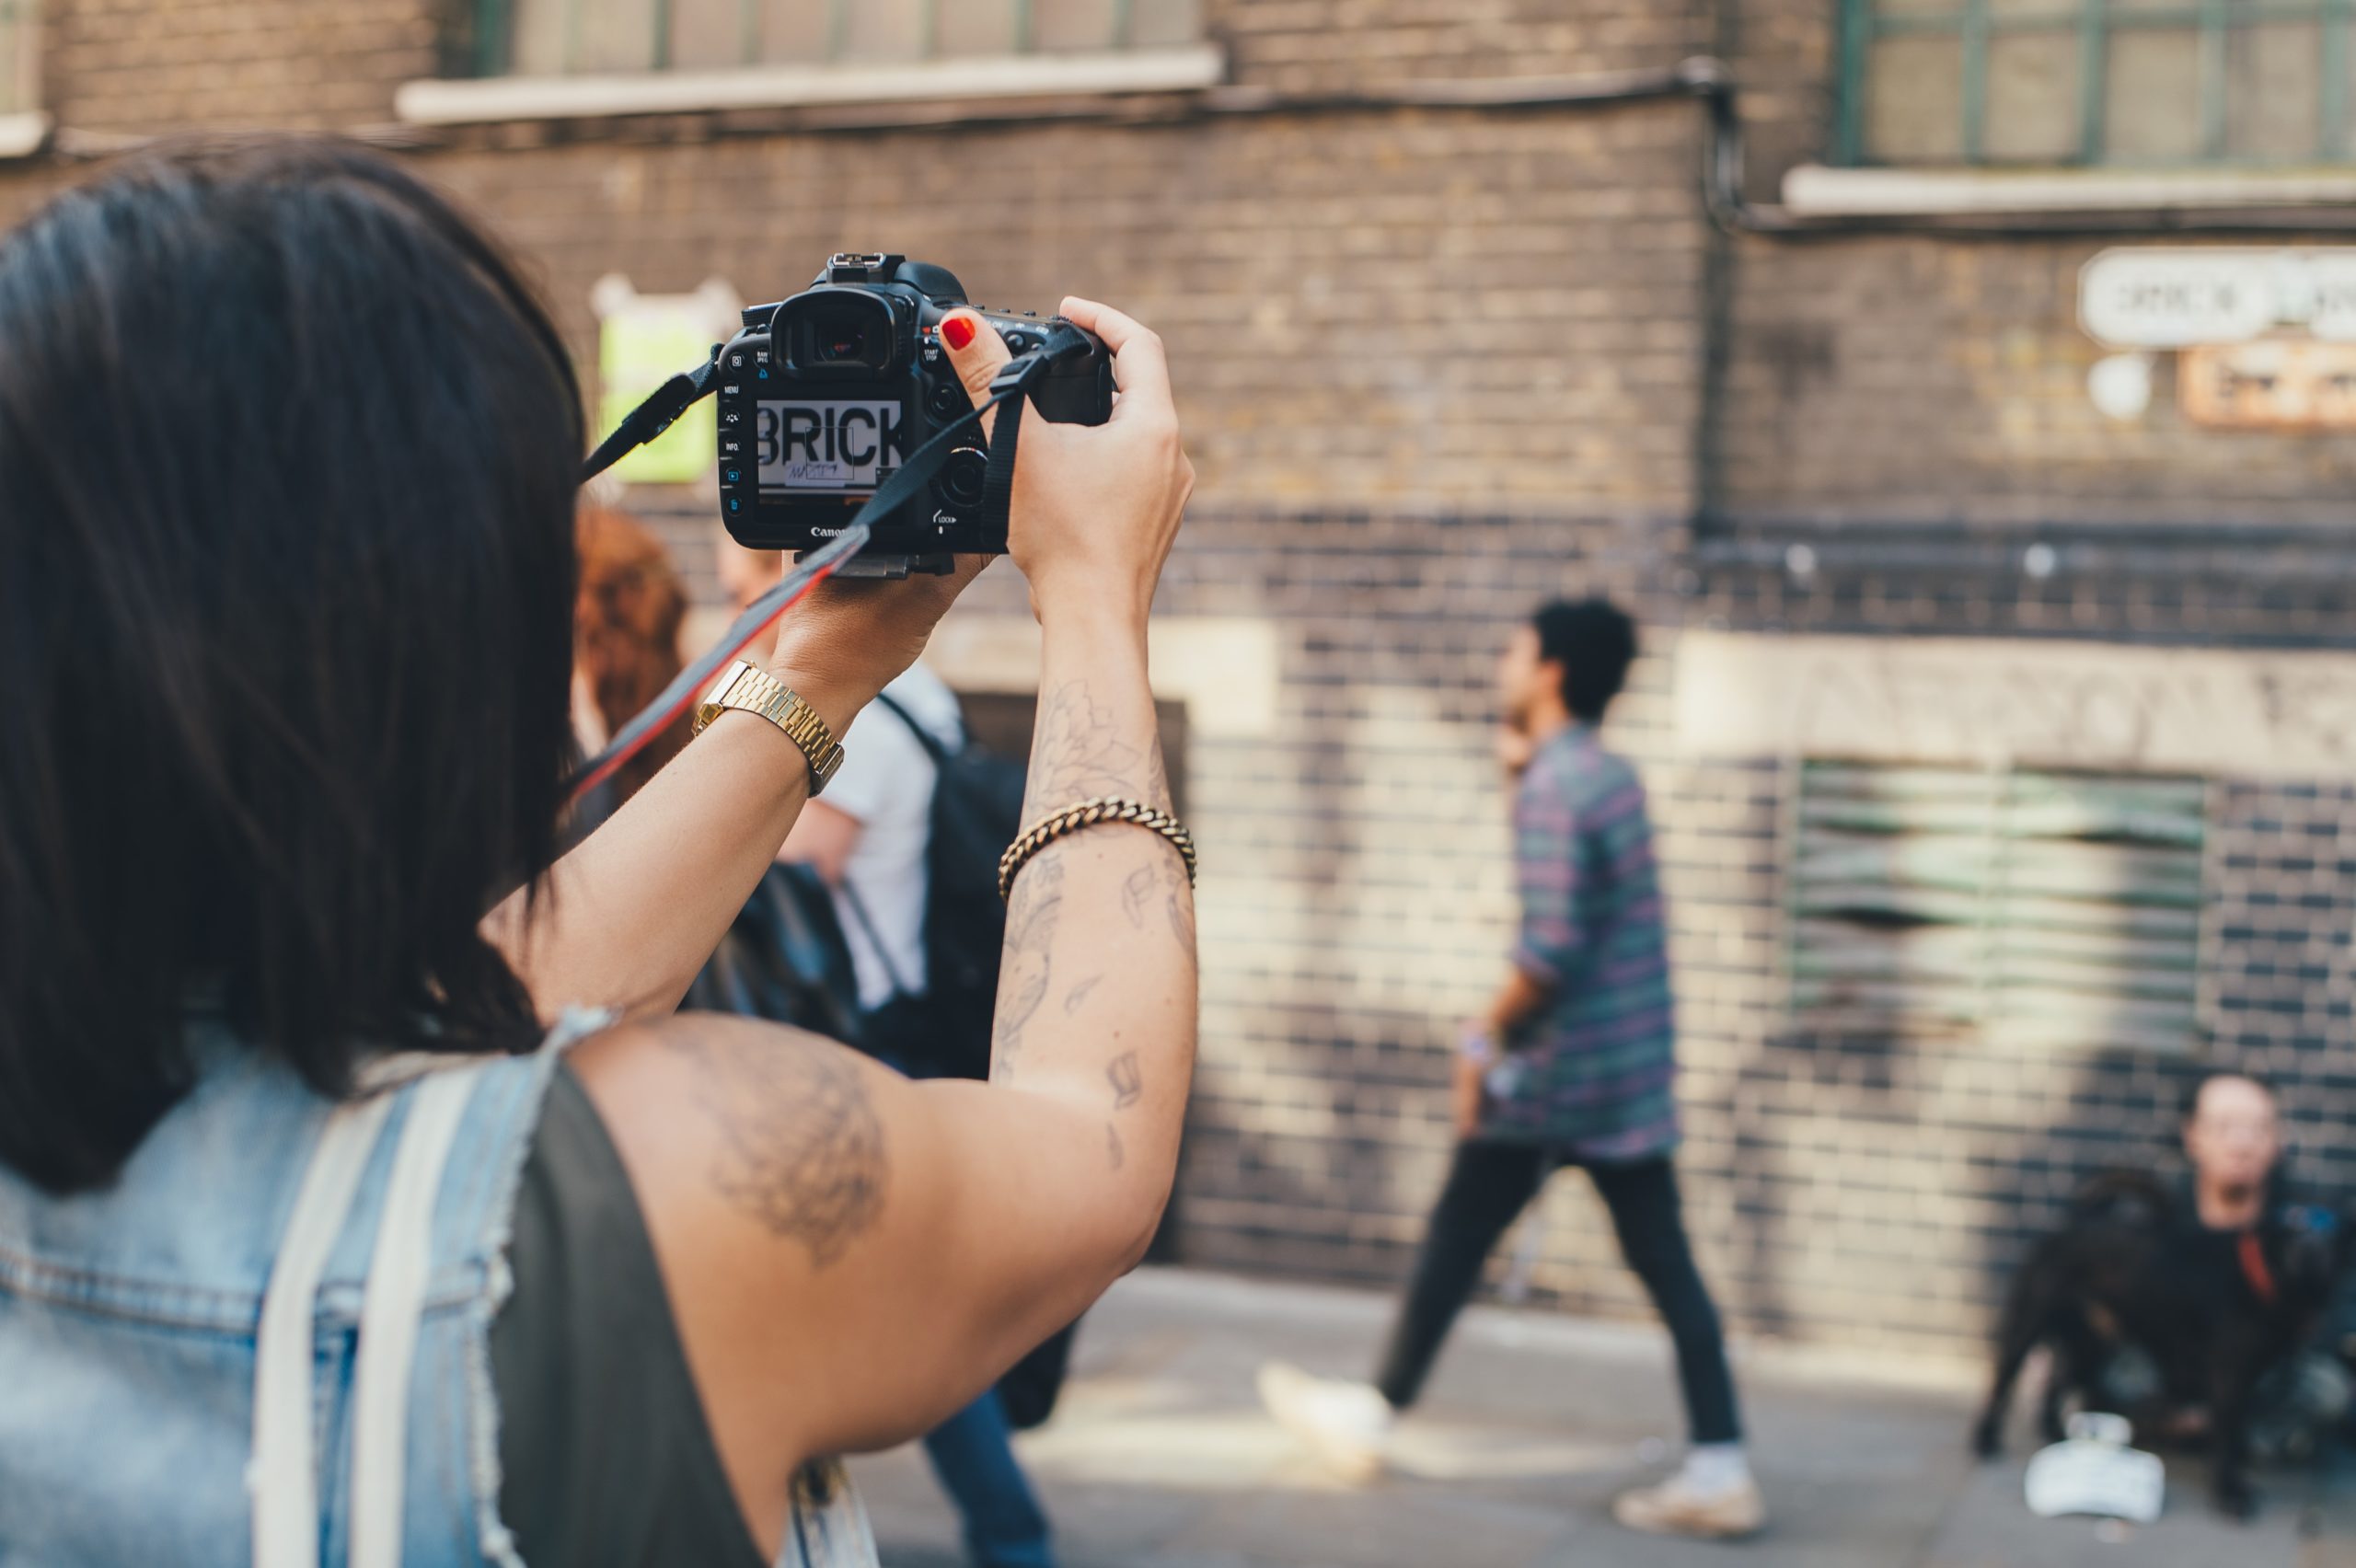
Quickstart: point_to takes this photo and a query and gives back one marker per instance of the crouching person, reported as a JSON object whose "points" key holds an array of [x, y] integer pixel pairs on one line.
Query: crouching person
{"points": [[2194, 1309]]}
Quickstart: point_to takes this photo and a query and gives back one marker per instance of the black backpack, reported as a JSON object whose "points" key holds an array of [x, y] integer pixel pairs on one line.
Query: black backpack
{"points": [[784, 958], [977, 811]]}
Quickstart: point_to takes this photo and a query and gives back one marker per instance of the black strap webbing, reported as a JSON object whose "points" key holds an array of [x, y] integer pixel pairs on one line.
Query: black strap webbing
{"points": [[653, 416], [925, 738], [997, 481]]}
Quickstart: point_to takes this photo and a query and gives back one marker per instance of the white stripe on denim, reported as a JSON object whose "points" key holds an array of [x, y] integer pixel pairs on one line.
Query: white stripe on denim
{"points": [[389, 1315], [281, 1477]]}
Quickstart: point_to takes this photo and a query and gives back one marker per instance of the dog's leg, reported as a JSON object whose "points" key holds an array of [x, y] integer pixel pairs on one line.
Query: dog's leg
{"points": [[2082, 1340], [2022, 1326], [2061, 1378]]}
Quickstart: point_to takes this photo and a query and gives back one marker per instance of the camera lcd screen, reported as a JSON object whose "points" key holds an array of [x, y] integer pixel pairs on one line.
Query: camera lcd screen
{"points": [[828, 444]]}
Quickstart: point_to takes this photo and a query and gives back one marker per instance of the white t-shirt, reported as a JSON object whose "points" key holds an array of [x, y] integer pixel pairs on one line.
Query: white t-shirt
{"points": [[886, 785]]}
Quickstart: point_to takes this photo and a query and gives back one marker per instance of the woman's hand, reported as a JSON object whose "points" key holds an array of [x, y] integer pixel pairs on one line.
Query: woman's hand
{"points": [[1514, 749], [1096, 507], [852, 637], [1464, 1098]]}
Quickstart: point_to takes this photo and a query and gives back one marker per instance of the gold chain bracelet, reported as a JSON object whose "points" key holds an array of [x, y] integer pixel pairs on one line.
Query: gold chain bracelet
{"points": [[1087, 814]]}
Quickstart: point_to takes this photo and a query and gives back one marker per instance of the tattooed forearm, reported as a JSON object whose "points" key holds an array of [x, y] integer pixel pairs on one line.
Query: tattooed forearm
{"points": [[1079, 754], [1030, 918], [1137, 890], [1157, 782], [1127, 1078], [1178, 903], [800, 1149]]}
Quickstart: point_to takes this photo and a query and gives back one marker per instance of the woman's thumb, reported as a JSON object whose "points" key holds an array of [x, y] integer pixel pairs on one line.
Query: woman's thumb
{"points": [[974, 350]]}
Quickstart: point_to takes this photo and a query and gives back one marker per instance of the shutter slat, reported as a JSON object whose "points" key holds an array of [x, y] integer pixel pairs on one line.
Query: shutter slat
{"points": [[2052, 909]]}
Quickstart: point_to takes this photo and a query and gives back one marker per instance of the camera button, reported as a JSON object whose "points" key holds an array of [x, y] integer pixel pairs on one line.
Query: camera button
{"points": [[946, 399]]}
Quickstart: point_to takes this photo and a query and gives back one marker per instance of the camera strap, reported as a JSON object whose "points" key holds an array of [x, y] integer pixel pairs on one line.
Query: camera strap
{"points": [[655, 415], [682, 392]]}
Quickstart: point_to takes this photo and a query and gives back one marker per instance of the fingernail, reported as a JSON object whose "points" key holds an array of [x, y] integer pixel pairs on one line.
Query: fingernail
{"points": [[958, 329]]}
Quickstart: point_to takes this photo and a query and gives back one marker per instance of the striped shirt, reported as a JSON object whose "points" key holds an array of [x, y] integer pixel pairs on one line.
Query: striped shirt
{"points": [[1593, 1065]]}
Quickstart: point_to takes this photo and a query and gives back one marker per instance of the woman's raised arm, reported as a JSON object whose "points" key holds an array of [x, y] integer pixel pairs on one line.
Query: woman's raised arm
{"points": [[850, 1256], [628, 917]]}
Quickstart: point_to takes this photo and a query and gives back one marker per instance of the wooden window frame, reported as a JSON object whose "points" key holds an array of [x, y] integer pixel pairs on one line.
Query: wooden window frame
{"points": [[1976, 23]]}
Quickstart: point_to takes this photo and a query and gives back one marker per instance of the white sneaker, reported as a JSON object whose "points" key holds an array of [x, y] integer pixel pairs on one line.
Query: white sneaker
{"points": [[1345, 1425], [1677, 1506]]}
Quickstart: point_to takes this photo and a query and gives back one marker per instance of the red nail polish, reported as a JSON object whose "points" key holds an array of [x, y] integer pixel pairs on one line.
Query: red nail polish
{"points": [[959, 331]]}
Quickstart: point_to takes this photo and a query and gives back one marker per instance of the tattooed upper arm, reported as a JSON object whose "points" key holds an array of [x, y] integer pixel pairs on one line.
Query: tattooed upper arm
{"points": [[799, 1147]]}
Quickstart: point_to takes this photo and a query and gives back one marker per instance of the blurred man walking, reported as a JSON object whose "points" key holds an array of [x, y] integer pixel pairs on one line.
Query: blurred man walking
{"points": [[1571, 1065]]}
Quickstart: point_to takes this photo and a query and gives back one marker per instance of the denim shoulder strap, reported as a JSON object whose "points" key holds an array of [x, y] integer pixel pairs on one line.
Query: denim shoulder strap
{"points": [[285, 1485]]}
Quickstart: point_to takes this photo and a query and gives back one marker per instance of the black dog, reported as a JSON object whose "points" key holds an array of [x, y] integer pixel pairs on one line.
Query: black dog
{"points": [[2213, 1312]]}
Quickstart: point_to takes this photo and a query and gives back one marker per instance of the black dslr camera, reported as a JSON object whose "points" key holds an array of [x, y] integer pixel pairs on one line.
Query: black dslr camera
{"points": [[825, 395]]}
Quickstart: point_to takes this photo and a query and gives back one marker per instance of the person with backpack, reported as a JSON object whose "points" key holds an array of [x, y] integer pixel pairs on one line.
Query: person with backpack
{"points": [[912, 795]]}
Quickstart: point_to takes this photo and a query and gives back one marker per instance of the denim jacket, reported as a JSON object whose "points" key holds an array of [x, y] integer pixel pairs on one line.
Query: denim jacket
{"points": [[133, 1327]]}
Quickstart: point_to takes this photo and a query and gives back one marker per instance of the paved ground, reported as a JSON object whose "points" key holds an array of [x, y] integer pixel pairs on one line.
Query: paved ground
{"points": [[1159, 1456]]}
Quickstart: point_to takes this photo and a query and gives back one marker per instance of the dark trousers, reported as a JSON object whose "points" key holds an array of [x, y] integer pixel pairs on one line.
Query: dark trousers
{"points": [[973, 1453], [1488, 1186]]}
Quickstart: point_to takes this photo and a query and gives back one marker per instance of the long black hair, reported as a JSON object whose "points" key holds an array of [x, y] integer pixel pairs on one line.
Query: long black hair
{"points": [[288, 460]]}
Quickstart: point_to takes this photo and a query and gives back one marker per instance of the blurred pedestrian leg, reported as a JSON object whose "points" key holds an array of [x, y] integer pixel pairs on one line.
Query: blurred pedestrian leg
{"points": [[1488, 1185], [972, 1456]]}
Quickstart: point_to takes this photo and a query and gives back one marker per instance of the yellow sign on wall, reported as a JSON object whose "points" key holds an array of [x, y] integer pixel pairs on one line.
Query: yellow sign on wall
{"points": [[2273, 384], [642, 341]]}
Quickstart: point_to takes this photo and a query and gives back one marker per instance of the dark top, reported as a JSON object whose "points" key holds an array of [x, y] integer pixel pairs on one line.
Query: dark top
{"points": [[602, 1438]]}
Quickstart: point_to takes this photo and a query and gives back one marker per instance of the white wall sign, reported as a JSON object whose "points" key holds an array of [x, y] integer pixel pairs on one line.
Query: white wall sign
{"points": [[2001, 700], [2167, 297], [2121, 385]]}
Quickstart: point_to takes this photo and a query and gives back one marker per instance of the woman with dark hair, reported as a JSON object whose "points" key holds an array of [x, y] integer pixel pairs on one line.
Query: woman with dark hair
{"points": [[339, 1218]]}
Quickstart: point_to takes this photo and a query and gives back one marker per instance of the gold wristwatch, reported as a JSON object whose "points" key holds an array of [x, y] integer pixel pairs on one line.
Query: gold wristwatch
{"points": [[754, 690]]}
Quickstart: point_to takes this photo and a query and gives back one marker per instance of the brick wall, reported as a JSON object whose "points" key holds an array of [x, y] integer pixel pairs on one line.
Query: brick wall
{"points": [[1930, 381], [147, 67], [1437, 365], [1874, 380], [1320, 44], [1334, 343]]}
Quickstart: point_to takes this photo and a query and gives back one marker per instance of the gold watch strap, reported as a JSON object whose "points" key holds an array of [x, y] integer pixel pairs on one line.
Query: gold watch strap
{"points": [[747, 686]]}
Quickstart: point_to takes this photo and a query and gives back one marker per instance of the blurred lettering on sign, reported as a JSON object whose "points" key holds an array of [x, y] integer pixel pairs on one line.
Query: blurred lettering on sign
{"points": [[2277, 384], [2152, 297], [2007, 702], [642, 341]]}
